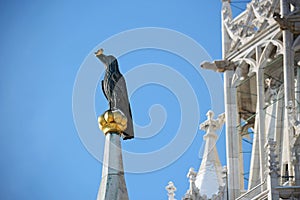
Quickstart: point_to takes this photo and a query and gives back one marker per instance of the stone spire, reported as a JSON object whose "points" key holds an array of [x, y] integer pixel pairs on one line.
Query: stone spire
{"points": [[193, 191], [209, 177], [113, 186]]}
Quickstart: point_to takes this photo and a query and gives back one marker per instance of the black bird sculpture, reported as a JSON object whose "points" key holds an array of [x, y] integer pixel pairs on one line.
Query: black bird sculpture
{"points": [[115, 90]]}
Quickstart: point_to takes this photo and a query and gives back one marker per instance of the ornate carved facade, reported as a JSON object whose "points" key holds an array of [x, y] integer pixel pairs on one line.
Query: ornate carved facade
{"points": [[261, 66]]}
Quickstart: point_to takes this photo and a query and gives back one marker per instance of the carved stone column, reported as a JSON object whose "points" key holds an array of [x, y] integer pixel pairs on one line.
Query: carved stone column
{"points": [[261, 122], [231, 112], [273, 169], [288, 72], [232, 137], [113, 185], [296, 162], [295, 143]]}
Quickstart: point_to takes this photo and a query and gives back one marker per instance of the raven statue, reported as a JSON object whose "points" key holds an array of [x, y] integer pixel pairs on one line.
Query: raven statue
{"points": [[115, 91]]}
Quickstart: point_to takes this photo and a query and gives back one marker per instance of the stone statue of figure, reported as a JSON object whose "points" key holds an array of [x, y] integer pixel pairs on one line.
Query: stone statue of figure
{"points": [[115, 91]]}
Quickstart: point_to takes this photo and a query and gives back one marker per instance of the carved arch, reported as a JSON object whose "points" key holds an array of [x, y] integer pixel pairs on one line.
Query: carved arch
{"points": [[263, 60], [296, 44]]}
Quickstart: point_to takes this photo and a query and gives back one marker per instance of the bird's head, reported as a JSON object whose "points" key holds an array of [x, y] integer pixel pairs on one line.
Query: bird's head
{"points": [[112, 63], [99, 52]]}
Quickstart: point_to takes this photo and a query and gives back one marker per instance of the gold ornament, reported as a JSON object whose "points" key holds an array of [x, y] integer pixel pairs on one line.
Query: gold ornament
{"points": [[112, 121]]}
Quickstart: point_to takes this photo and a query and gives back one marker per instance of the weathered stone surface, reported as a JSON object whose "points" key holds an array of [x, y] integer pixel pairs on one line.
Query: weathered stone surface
{"points": [[113, 186]]}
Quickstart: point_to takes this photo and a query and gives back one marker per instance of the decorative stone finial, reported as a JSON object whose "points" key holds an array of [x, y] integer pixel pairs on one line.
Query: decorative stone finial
{"points": [[210, 124], [193, 191], [290, 107], [210, 114], [171, 190], [192, 175], [112, 121], [224, 175], [272, 157]]}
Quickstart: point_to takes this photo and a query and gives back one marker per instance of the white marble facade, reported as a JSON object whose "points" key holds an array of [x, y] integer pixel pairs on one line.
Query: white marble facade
{"points": [[261, 66]]}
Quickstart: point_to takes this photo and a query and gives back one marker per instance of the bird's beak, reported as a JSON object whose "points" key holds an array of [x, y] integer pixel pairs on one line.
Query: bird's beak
{"points": [[99, 52]]}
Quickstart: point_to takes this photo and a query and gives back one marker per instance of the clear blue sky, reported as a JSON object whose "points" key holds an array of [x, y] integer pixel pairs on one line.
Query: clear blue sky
{"points": [[43, 45]]}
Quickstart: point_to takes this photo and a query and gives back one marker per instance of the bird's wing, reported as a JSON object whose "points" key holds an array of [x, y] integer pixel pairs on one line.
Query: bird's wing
{"points": [[121, 88], [120, 85], [103, 89], [121, 91]]}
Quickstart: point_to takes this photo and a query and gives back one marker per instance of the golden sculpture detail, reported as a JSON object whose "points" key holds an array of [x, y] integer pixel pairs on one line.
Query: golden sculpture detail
{"points": [[112, 121]]}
